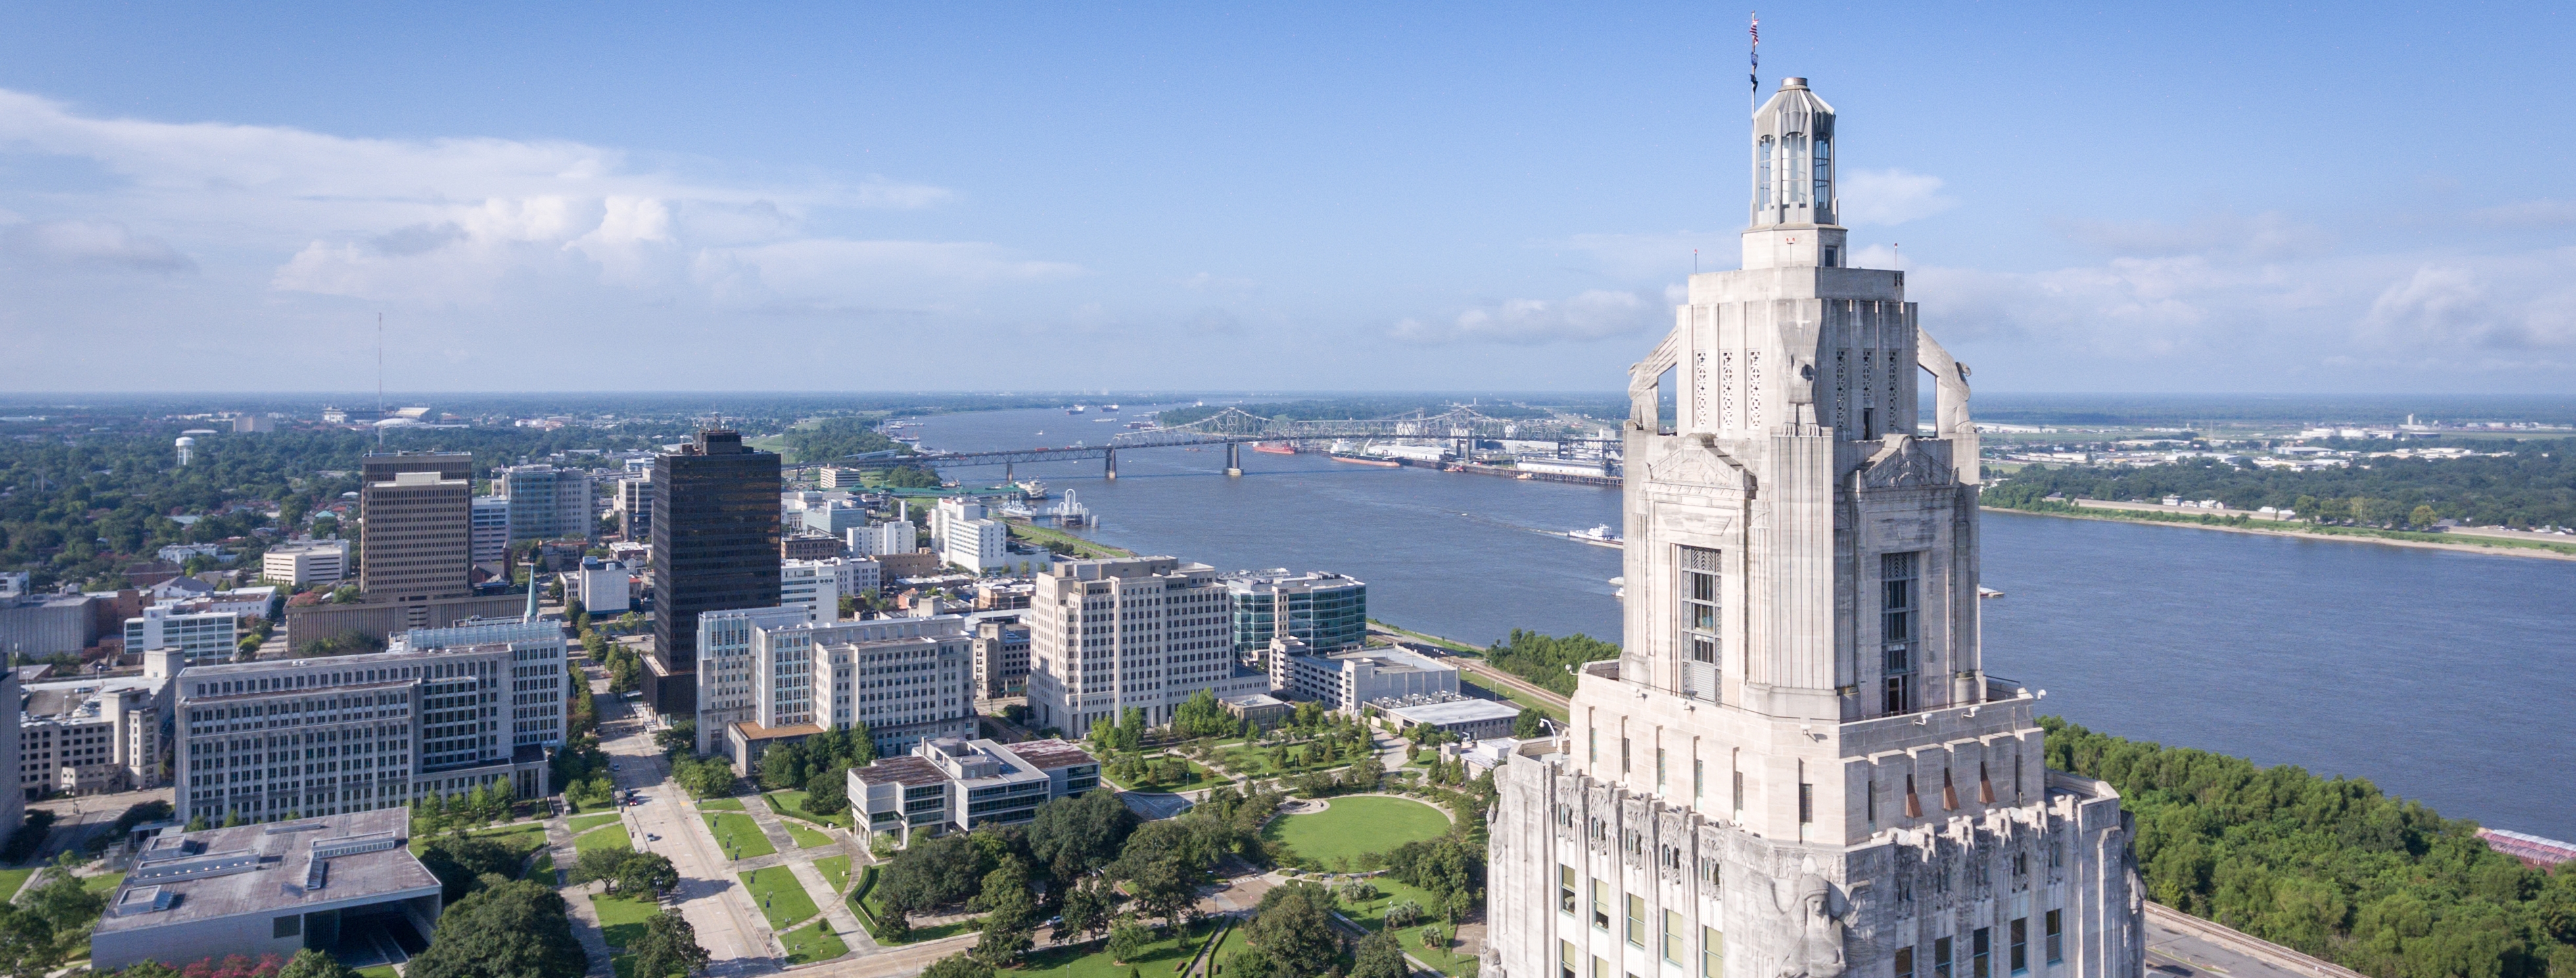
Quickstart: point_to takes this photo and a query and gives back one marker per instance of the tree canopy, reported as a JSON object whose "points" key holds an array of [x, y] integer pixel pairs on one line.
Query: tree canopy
{"points": [[511, 930]]}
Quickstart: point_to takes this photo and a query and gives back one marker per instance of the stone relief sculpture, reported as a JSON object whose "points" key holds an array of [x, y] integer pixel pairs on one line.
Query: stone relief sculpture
{"points": [[1817, 949]]}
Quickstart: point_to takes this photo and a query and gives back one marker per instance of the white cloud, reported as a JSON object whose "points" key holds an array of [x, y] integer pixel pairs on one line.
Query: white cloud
{"points": [[1592, 315], [2269, 236], [98, 244], [1882, 198]]}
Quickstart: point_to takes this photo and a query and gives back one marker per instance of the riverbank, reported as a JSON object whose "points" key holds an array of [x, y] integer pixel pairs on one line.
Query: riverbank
{"points": [[2427, 541]]}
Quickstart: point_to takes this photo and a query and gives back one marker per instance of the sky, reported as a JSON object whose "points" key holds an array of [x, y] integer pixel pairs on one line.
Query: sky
{"points": [[2325, 198]]}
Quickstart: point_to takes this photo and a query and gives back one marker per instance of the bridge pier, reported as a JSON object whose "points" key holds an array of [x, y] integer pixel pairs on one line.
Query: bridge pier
{"points": [[1110, 456], [1234, 458]]}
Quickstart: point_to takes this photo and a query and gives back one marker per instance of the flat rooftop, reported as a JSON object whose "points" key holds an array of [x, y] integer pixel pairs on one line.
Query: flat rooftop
{"points": [[1456, 711], [1048, 755], [268, 869], [908, 770], [1388, 658]]}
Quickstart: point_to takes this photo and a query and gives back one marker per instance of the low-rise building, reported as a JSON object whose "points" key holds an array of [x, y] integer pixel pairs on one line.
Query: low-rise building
{"points": [[202, 636], [1263, 709], [605, 587], [257, 890], [811, 546], [82, 736], [1001, 654], [954, 785], [1466, 718], [305, 562], [1347, 679], [879, 539], [49, 624]]}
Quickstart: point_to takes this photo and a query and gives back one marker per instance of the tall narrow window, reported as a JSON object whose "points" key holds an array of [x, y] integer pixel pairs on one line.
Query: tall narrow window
{"points": [[1565, 888], [1659, 770], [1712, 953], [1739, 794], [1941, 949], [1792, 189], [1636, 920], [1699, 778], [1904, 962], [1676, 939], [1700, 603], [1762, 173], [1600, 904], [1981, 953], [1806, 803], [2050, 928], [1898, 574], [1565, 960], [1623, 755], [1821, 169], [2020, 945]]}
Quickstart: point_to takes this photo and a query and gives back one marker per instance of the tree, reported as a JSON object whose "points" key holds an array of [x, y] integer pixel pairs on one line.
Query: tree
{"points": [[782, 767], [1403, 913], [26, 943], [827, 790], [669, 947], [959, 965], [460, 862], [2423, 516], [1128, 941], [1254, 962], [1379, 956], [1080, 833], [1294, 926], [1086, 911], [1527, 724], [513, 930], [310, 963], [646, 872]]}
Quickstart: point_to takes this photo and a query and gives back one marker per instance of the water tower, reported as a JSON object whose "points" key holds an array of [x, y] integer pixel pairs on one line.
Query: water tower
{"points": [[187, 449]]}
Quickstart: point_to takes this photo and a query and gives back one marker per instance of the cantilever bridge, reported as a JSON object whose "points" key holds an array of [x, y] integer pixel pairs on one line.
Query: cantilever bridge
{"points": [[1233, 427]]}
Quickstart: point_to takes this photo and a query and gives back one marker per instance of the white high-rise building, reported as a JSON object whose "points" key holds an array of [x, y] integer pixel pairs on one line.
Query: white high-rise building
{"points": [[1798, 765], [537, 676], [889, 537], [815, 585], [491, 528], [769, 673], [1143, 632], [306, 562], [546, 503]]}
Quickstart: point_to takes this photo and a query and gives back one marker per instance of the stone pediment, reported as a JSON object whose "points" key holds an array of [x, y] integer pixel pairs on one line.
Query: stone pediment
{"points": [[1907, 463], [1695, 465]]}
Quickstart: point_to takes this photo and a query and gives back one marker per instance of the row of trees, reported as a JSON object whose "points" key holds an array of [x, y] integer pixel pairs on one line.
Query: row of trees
{"points": [[820, 765], [2332, 867], [1544, 659], [2533, 484]]}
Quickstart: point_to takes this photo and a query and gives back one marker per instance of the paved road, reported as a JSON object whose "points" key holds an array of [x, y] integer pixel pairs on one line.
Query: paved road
{"points": [[728, 925], [79, 818]]}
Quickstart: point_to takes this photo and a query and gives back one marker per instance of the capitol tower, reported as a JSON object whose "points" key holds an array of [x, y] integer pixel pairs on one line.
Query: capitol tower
{"points": [[1798, 765]]}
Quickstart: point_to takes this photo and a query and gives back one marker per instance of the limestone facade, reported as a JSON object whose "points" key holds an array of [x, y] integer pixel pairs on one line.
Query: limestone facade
{"points": [[1798, 766]]}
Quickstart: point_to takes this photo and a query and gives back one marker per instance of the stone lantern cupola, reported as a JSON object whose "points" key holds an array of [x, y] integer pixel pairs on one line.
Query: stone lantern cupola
{"points": [[1795, 207]]}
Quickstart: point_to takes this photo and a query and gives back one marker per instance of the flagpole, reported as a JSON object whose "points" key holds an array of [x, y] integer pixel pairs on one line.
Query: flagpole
{"points": [[1753, 94]]}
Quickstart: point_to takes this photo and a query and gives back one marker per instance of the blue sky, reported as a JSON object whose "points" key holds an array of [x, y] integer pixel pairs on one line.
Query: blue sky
{"points": [[2163, 198]]}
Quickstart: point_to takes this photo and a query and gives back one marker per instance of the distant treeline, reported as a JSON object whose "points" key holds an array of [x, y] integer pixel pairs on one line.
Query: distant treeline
{"points": [[1542, 659], [2332, 867], [2533, 486], [832, 438]]}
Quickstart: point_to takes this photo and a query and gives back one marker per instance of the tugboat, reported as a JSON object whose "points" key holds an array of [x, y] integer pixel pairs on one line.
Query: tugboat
{"points": [[1599, 536]]}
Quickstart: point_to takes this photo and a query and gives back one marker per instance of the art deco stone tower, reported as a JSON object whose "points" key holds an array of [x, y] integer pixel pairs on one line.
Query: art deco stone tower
{"points": [[1799, 766]]}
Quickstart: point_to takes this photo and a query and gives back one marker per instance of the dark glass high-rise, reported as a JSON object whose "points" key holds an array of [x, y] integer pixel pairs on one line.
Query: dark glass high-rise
{"points": [[715, 547]]}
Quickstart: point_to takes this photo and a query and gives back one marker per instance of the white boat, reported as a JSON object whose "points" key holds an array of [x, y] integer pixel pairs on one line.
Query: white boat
{"points": [[1076, 409], [1599, 536], [1031, 489]]}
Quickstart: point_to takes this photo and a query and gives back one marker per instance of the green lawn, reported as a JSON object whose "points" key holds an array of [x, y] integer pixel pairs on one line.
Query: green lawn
{"points": [[791, 803], [813, 943], [543, 870], [611, 837], [739, 836], [586, 823], [720, 805], [835, 870], [1357, 825], [1197, 777], [1516, 696], [103, 883], [1160, 958], [781, 898], [805, 838], [12, 879], [379, 971], [1372, 915], [621, 920], [522, 839]]}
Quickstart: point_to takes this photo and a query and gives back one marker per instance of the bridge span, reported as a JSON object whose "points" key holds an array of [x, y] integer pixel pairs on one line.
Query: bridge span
{"points": [[1233, 427]]}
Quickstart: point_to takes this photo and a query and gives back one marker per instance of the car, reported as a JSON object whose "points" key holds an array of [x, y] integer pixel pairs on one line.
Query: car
{"points": [[650, 837]]}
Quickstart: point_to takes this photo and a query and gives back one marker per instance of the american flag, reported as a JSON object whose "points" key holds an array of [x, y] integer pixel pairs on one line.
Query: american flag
{"points": [[1756, 77]]}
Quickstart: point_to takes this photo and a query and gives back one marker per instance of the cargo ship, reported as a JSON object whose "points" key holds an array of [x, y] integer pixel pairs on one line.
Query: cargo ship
{"points": [[1383, 463], [1076, 409], [1275, 447]]}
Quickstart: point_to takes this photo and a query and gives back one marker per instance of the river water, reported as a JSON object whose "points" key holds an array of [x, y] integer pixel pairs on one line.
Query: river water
{"points": [[2444, 677]]}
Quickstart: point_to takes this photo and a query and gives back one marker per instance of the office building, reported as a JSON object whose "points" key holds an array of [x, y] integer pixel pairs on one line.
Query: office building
{"points": [[957, 785], [1798, 765], [415, 526], [967, 537], [811, 546], [536, 690], [908, 679], [89, 735], [605, 587], [202, 636], [269, 891], [833, 516], [305, 562], [330, 735], [1326, 611], [48, 624], [729, 668], [815, 585], [1348, 679], [635, 505], [490, 519], [715, 547], [1001, 653], [546, 502], [1144, 633], [1458, 716], [877, 540]]}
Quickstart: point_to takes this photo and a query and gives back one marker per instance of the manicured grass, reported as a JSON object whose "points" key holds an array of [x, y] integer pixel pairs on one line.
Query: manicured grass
{"points": [[621, 921], [102, 883], [522, 839], [1160, 958], [739, 836], [379, 971], [543, 870], [1517, 697], [720, 805], [1197, 777], [805, 838], [781, 898], [611, 837], [836, 871], [12, 879], [586, 823], [791, 803], [1255, 761], [1357, 825], [1372, 915], [813, 943]]}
